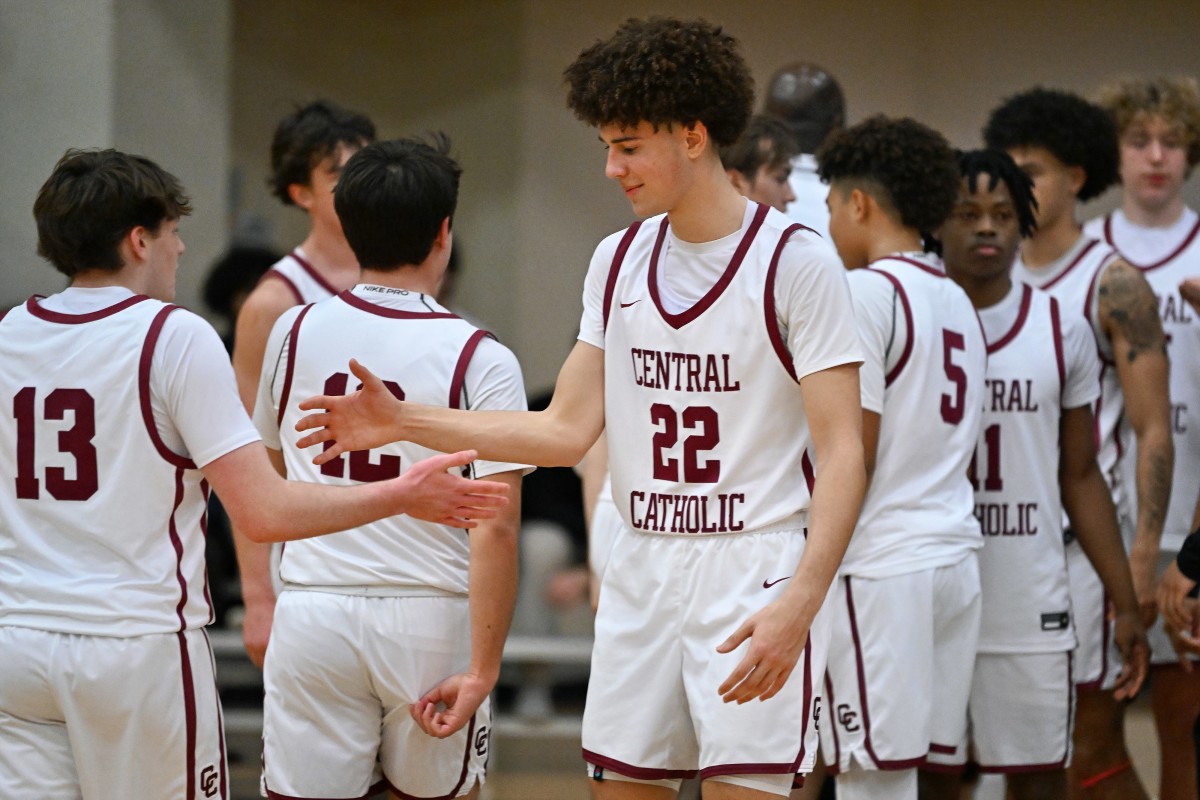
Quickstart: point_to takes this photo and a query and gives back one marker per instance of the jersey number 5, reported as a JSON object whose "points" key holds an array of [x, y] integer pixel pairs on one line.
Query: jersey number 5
{"points": [[952, 407], [362, 469], [703, 420], [75, 441]]}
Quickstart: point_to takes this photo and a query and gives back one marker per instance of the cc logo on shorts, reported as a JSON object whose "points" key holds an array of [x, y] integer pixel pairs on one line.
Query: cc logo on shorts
{"points": [[847, 718], [208, 780], [481, 741]]}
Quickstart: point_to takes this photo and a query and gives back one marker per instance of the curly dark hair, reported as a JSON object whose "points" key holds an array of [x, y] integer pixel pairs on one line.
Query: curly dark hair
{"points": [[907, 167], [664, 71], [999, 166], [308, 136], [1076, 132]]}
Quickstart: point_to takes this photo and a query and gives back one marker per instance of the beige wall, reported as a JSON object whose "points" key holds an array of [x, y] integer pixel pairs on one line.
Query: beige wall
{"points": [[535, 201]]}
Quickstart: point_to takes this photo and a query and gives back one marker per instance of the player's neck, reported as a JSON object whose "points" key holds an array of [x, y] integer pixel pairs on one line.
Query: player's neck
{"points": [[711, 210], [331, 256], [417, 279], [1162, 217], [889, 239], [1049, 244], [986, 292]]}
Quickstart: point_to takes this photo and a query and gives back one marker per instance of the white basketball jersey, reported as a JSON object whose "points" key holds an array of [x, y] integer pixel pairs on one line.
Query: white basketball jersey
{"points": [[306, 284], [1164, 273], [1074, 280], [101, 525], [422, 352], [1032, 375], [917, 513], [706, 426]]}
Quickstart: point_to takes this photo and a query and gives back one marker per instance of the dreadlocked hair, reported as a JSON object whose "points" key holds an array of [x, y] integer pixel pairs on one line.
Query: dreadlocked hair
{"points": [[998, 166]]}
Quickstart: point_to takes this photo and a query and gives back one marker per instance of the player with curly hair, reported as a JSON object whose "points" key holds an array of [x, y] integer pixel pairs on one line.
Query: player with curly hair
{"points": [[1158, 122], [760, 162], [1035, 459], [905, 608], [717, 341], [1069, 148]]}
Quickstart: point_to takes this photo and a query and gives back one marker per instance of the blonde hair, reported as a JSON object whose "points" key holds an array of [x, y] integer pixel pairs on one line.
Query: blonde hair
{"points": [[1176, 100]]}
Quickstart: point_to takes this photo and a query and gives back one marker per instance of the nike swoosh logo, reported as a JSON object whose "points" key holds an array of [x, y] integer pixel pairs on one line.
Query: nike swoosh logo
{"points": [[772, 583], [627, 305]]}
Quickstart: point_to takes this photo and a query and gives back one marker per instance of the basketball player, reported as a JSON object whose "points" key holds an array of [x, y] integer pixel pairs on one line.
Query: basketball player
{"points": [[810, 101], [372, 619], [717, 341], [1042, 378], [1069, 148], [1158, 122], [909, 583], [126, 413], [308, 151], [760, 161]]}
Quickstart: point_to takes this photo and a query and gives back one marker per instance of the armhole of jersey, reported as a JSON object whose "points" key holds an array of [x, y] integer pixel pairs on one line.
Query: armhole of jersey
{"points": [[292, 338], [1093, 290], [144, 365], [908, 328], [1056, 324], [610, 285], [277, 275], [773, 333], [460, 370]]}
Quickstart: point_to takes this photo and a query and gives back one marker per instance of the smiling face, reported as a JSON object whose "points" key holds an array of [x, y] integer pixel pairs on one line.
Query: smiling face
{"points": [[1153, 162], [652, 167], [981, 236]]}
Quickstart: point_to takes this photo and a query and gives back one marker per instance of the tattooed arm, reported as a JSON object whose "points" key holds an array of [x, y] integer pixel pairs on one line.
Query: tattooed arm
{"points": [[1129, 317]]}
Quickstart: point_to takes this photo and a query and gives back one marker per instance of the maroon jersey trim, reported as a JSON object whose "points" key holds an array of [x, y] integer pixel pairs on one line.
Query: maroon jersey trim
{"points": [[31, 305], [177, 544], [355, 301], [277, 275], [1087, 248], [144, 364], [460, 369], [220, 717], [908, 323], [189, 705], [204, 493], [312, 272], [1018, 324], [677, 321], [913, 262], [831, 703], [1056, 324], [773, 332], [610, 286], [1187, 240], [641, 773], [906, 763], [290, 372], [810, 475]]}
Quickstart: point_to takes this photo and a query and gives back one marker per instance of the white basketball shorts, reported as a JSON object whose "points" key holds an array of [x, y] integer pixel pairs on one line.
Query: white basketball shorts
{"points": [[901, 654], [653, 711], [1022, 711], [107, 716], [340, 675]]}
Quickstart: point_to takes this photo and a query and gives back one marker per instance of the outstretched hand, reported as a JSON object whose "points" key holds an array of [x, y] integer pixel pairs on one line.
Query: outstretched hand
{"points": [[450, 705], [358, 421], [431, 493], [777, 635], [1130, 638]]}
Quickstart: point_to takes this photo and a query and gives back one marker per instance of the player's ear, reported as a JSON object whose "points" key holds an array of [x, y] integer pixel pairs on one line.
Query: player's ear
{"points": [[860, 204], [1078, 177], [443, 235], [695, 138], [300, 194]]}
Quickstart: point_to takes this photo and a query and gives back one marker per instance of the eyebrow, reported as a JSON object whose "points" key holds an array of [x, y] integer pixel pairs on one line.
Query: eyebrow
{"points": [[620, 139]]}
